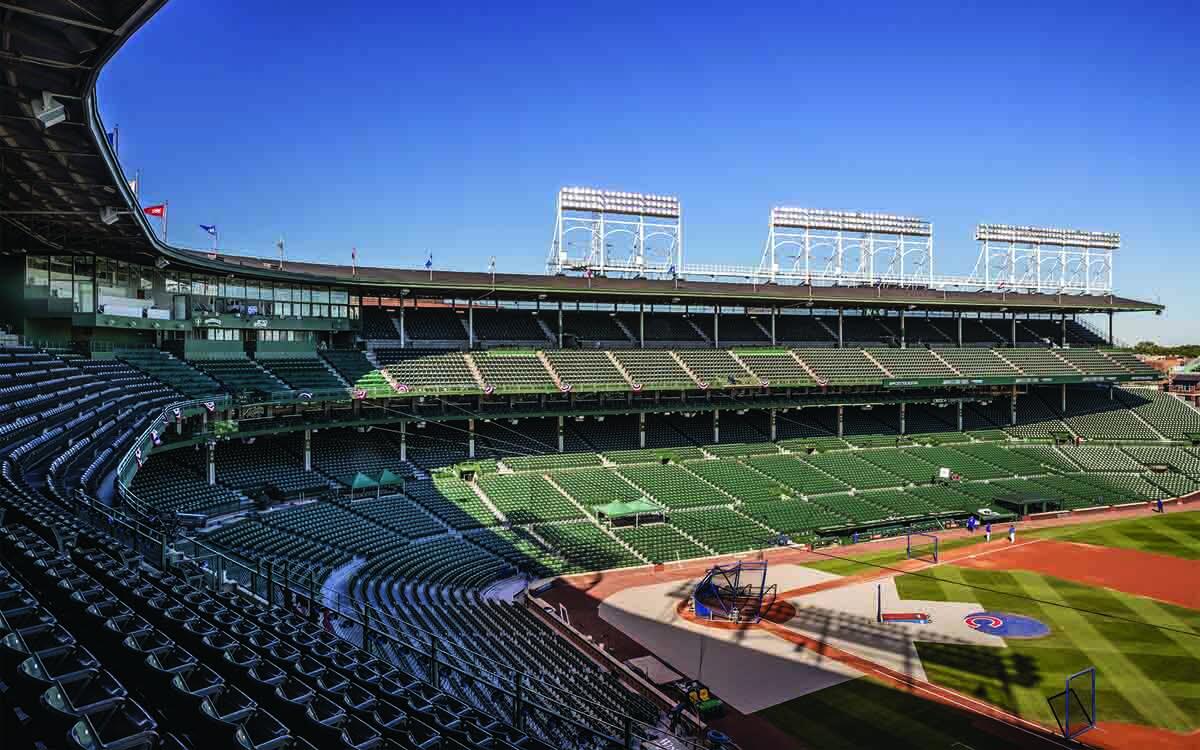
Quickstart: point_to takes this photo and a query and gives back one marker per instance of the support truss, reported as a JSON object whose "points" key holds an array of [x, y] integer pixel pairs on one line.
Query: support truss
{"points": [[611, 233]]}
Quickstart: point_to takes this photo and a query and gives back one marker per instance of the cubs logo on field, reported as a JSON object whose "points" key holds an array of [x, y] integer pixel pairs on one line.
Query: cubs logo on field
{"points": [[1006, 624]]}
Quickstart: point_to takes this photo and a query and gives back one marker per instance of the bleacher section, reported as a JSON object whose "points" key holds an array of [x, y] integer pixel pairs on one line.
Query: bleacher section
{"points": [[303, 373], [912, 363], [239, 376], [414, 370], [654, 369], [379, 324], [518, 371], [166, 368], [841, 366], [509, 326], [804, 330], [421, 556], [594, 328], [358, 372], [434, 324]]}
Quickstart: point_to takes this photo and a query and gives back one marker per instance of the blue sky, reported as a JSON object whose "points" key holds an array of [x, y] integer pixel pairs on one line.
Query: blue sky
{"points": [[449, 129]]}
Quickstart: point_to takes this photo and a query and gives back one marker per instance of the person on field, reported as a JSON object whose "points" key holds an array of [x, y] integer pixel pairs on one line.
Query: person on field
{"points": [[1012, 533], [971, 525], [1160, 506], [987, 532]]}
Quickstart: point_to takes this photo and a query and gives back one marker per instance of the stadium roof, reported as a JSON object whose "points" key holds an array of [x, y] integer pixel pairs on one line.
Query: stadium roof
{"points": [[57, 180]]}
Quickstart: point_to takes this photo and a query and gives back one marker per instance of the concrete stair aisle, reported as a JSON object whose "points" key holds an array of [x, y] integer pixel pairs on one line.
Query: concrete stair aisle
{"points": [[1005, 338], [1007, 361], [683, 365], [828, 328], [541, 355], [487, 502], [620, 367], [694, 540], [877, 364], [474, 369], [1062, 359], [938, 357], [700, 331], [547, 331], [633, 339], [808, 370], [330, 369]]}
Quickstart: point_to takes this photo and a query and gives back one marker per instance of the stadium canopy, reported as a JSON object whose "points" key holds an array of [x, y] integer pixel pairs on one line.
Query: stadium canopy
{"points": [[624, 509], [362, 482], [390, 479]]}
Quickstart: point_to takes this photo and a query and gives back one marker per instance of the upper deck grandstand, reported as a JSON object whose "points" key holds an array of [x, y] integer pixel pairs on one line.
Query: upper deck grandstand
{"points": [[297, 497]]}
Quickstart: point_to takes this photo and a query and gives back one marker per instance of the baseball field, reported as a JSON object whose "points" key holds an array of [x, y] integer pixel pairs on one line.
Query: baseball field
{"points": [[1121, 596]]}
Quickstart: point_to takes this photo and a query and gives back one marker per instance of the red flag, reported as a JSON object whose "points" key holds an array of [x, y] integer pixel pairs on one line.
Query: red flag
{"points": [[160, 210]]}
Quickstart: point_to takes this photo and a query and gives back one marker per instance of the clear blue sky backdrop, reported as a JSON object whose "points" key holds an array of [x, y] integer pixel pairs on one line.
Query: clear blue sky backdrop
{"points": [[450, 128]]}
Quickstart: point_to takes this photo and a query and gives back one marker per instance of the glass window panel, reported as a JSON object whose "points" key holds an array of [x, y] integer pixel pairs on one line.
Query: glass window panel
{"points": [[37, 271]]}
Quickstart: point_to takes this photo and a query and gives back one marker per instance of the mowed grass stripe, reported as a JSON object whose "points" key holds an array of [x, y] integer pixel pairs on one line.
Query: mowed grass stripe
{"points": [[1173, 533], [855, 714], [1121, 674], [1138, 664]]}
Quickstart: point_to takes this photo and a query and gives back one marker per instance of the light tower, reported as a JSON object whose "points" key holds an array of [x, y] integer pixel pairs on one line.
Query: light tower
{"points": [[1044, 259], [606, 232], [846, 248]]}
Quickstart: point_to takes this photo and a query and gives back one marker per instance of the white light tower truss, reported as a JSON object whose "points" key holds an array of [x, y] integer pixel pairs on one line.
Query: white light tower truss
{"points": [[1045, 260], [847, 248], [608, 232]]}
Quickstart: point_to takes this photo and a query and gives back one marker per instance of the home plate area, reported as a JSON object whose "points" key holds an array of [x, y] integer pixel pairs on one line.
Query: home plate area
{"points": [[755, 667]]}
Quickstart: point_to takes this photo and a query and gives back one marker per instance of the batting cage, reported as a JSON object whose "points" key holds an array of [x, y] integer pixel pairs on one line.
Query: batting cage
{"points": [[922, 546], [1075, 706], [736, 592]]}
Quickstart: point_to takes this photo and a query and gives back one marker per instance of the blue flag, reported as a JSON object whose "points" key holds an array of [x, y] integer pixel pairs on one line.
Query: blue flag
{"points": [[429, 261], [671, 270], [211, 229]]}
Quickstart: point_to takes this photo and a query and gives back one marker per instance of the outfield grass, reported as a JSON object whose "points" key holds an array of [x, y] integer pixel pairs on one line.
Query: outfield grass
{"points": [[1170, 533], [1146, 674], [865, 714]]}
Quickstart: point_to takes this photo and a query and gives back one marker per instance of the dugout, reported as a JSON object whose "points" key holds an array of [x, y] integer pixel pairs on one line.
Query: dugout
{"points": [[1024, 503]]}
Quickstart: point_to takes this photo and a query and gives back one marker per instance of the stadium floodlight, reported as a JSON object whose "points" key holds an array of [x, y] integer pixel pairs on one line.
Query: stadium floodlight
{"points": [[49, 111], [849, 221], [1047, 236], [618, 202], [606, 232], [1049, 260]]}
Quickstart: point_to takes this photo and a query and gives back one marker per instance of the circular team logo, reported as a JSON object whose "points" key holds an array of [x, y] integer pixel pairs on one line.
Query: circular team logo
{"points": [[1007, 625]]}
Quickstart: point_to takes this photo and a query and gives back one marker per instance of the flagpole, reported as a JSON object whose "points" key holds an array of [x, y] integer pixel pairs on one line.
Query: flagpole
{"points": [[164, 220]]}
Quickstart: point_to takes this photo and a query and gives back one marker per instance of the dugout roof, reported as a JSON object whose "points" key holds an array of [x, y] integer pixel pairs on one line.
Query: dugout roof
{"points": [[54, 182]]}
